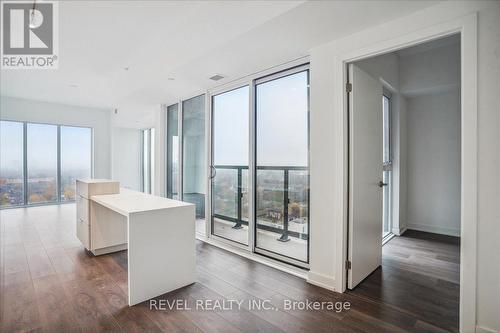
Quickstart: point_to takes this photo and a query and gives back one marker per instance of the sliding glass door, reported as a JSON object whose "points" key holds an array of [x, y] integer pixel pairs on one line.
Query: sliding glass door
{"points": [[230, 154], [258, 163], [282, 166]]}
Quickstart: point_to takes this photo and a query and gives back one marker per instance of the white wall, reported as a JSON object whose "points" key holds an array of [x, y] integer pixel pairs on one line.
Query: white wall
{"points": [[43, 112], [327, 147], [433, 163], [385, 67], [431, 71], [126, 157]]}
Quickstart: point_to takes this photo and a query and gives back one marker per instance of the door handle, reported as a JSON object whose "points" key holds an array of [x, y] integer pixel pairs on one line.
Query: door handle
{"points": [[213, 172], [382, 184]]}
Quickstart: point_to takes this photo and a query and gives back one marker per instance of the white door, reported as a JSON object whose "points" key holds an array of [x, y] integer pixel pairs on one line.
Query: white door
{"points": [[365, 172]]}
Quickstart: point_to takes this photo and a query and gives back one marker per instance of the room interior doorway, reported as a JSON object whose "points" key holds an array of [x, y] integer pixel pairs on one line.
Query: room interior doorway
{"points": [[408, 100]]}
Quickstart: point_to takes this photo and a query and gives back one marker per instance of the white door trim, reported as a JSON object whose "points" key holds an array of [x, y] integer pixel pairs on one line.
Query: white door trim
{"points": [[467, 27]]}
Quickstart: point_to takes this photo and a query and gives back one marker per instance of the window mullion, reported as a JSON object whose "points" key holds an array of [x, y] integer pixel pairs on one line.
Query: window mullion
{"points": [[25, 162], [58, 163]]}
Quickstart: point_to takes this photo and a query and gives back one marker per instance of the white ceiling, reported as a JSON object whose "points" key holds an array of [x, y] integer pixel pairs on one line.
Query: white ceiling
{"points": [[186, 40]]}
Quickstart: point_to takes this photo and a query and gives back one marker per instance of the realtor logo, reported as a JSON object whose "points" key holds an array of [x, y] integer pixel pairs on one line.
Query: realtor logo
{"points": [[29, 35]]}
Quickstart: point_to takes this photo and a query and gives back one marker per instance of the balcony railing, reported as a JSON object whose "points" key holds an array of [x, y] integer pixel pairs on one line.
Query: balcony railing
{"points": [[231, 183]]}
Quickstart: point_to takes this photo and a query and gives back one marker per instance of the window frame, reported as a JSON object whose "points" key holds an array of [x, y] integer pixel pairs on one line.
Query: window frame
{"points": [[251, 80], [58, 176], [261, 80]]}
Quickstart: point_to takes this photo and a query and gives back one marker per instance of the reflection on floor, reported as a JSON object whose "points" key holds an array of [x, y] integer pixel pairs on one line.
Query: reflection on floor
{"points": [[295, 248], [420, 275], [49, 283]]}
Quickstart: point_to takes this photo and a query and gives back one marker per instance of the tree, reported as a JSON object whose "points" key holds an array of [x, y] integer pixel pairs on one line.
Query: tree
{"points": [[294, 210]]}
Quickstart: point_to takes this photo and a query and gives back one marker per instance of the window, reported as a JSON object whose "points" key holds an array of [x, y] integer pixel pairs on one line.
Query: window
{"points": [[193, 154], [11, 164], [40, 162], [282, 165], [42, 151], [148, 146], [387, 167], [76, 158], [172, 143], [230, 135], [258, 163]]}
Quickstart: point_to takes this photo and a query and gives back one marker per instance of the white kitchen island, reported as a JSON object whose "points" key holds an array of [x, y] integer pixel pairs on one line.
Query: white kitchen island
{"points": [[160, 237]]}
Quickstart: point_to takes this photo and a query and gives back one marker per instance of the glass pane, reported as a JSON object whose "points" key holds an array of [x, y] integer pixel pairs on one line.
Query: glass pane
{"points": [[298, 192], [230, 157], [145, 162], [151, 160], [225, 192], [42, 163], [387, 173], [245, 205], [76, 158], [386, 130], [270, 196], [282, 121], [386, 211], [172, 151], [282, 179], [193, 145], [11, 164]]}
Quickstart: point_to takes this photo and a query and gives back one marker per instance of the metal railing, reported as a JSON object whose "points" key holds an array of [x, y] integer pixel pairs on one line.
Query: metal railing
{"points": [[239, 221]]}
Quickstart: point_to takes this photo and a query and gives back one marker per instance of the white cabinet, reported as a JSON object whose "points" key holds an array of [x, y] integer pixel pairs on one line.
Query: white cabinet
{"points": [[98, 236]]}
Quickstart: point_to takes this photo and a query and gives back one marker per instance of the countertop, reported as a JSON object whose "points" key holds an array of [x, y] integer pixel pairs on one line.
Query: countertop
{"points": [[129, 201]]}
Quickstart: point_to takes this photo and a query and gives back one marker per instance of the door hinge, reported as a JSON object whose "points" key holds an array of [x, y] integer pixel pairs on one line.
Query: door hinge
{"points": [[348, 87], [347, 264]]}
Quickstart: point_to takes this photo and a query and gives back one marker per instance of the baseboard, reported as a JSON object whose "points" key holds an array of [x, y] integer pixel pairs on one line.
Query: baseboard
{"points": [[321, 280], [398, 231], [434, 229], [480, 329], [110, 249]]}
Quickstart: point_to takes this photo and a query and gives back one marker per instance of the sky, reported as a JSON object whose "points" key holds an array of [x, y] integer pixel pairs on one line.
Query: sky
{"points": [[282, 118], [76, 147]]}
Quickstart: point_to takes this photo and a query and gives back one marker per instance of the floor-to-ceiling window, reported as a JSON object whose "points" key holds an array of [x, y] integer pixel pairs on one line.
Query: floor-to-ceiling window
{"points": [[259, 163], [147, 165], [11, 164], [76, 161], [193, 156], [41, 162], [387, 166], [172, 151], [230, 154], [282, 165]]}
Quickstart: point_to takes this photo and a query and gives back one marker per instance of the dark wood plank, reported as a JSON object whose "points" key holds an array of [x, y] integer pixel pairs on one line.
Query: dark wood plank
{"points": [[420, 276], [48, 282]]}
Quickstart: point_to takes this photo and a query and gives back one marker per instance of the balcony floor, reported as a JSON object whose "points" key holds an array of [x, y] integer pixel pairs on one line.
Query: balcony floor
{"points": [[267, 240]]}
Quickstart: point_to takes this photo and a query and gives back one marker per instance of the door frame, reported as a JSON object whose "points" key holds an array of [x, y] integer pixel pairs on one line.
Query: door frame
{"points": [[466, 26], [210, 157]]}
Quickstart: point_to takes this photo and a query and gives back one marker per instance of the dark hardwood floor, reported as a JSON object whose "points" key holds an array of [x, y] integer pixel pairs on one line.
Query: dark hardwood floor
{"points": [[420, 276], [48, 283]]}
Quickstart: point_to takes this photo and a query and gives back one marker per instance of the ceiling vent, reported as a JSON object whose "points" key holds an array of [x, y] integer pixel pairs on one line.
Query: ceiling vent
{"points": [[216, 77]]}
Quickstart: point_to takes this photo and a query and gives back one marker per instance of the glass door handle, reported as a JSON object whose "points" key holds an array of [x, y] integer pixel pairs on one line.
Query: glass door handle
{"points": [[213, 172], [382, 184]]}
